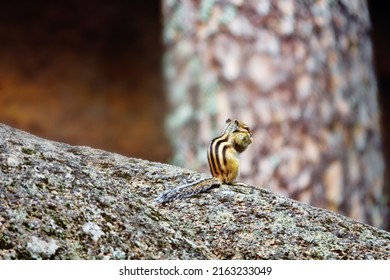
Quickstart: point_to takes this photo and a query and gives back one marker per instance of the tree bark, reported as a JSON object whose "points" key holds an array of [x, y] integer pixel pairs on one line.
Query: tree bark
{"points": [[300, 74]]}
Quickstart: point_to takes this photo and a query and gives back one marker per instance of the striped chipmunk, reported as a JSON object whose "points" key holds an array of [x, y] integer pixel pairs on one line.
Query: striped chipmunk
{"points": [[222, 156]]}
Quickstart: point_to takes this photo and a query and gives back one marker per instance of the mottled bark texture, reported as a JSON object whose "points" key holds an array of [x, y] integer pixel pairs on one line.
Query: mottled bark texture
{"points": [[300, 74]]}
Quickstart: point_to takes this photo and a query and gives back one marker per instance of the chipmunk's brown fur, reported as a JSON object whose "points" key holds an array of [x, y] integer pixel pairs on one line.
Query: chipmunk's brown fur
{"points": [[222, 156]]}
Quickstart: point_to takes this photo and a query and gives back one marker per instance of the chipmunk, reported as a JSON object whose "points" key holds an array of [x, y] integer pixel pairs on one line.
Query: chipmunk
{"points": [[222, 156]]}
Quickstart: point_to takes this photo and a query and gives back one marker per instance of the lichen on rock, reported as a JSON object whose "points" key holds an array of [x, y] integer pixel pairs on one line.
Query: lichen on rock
{"points": [[66, 202]]}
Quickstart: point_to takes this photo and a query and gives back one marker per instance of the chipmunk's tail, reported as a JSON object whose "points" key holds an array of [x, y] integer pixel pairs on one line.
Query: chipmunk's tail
{"points": [[189, 190]]}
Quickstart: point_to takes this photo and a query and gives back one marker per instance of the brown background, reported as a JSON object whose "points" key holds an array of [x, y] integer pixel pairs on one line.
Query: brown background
{"points": [[86, 73], [89, 73]]}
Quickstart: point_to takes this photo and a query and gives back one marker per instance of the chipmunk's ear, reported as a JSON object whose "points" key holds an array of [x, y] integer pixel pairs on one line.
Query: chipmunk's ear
{"points": [[228, 120], [236, 122]]}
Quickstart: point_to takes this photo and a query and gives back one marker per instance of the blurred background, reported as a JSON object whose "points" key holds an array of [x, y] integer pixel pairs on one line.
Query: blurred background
{"points": [[85, 73], [125, 76]]}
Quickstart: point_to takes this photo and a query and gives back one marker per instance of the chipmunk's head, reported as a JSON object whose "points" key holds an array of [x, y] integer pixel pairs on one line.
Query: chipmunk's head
{"points": [[240, 134]]}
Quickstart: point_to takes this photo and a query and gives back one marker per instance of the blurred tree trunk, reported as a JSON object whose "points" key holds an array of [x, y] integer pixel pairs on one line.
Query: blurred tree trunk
{"points": [[300, 74]]}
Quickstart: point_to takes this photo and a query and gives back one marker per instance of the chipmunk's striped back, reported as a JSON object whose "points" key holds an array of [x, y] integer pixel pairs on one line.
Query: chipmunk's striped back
{"points": [[223, 161], [216, 155], [222, 151]]}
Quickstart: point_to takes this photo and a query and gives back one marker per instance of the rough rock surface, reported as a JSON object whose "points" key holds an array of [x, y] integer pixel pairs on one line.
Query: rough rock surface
{"points": [[64, 202]]}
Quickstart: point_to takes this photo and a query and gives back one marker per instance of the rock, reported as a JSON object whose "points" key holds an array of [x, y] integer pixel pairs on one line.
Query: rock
{"points": [[41, 249], [65, 202]]}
